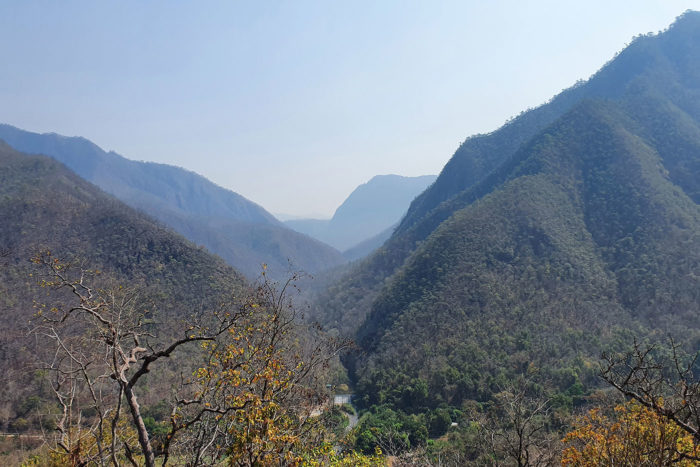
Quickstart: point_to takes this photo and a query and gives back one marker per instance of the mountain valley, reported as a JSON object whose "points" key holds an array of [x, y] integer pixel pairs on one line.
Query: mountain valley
{"points": [[539, 297]]}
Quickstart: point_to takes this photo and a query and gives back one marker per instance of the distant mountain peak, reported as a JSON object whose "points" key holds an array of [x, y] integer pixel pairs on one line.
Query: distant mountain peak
{"points": [[371, 209]]}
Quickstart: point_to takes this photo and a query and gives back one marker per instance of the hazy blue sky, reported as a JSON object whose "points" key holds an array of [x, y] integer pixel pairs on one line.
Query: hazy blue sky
{"points": [[294, 103]]}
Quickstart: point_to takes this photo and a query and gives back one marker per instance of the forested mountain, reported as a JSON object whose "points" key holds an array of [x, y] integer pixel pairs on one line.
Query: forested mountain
{"points": [[566, 232], [660, 63], [44, 206], [238, 230], [367, 212]]}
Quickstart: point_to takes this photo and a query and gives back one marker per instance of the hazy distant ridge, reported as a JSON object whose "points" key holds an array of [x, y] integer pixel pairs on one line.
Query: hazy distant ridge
{"points": [[237, 229], [367, 212]]}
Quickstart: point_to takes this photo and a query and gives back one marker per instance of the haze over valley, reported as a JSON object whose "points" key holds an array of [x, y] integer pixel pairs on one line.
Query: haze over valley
{"points": [[536, 303]]}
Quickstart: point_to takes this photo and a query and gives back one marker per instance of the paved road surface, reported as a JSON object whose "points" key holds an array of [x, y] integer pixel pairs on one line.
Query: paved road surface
{"points": [[341, 399]]}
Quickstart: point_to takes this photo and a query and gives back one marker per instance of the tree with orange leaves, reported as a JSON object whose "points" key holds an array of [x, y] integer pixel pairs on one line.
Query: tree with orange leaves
{"points": [[633, 435]]}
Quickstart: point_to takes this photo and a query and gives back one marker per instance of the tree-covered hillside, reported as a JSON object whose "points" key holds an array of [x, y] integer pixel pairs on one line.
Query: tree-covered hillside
{"points": [[124, 342], [654, 79], [569, 232], [238, 230], [666, 63], [586, 243], [44, 206]]}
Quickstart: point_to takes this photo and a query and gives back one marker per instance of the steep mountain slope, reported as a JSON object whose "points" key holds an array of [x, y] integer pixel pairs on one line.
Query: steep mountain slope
{"points": [[654, 76], [371, 209], [581, 236], [240, 231], [648, 61], [44, 206], [585, 242]]}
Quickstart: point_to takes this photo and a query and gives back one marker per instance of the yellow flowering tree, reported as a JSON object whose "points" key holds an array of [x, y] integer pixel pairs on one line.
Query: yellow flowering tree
{"points": [[255, 399], [260, 396], [325, 455]]}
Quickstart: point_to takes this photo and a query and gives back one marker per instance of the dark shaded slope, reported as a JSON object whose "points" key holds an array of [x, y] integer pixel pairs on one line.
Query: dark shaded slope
{"points": [[585, 242], [45, 206], [225, 222]]}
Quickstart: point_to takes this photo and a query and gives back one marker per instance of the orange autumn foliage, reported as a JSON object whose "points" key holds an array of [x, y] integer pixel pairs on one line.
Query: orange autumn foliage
{"points": [[633, 436]]}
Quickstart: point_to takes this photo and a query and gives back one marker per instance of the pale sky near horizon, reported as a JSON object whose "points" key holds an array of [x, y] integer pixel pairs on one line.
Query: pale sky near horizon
{"points": [[294, 103]]}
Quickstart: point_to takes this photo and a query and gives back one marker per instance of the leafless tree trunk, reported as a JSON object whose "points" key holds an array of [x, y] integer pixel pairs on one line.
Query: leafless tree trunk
{"points": [[115, 346]]}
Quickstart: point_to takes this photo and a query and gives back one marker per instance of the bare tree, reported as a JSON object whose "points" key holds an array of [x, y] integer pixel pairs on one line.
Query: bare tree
{"points": [[663, 380], [103, 348], [78, 383], [260, 387], [251, 399], [516, 428]]}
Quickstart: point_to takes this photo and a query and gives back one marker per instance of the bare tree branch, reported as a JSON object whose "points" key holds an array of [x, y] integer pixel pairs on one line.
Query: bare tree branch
{"points": [[666, 385]]}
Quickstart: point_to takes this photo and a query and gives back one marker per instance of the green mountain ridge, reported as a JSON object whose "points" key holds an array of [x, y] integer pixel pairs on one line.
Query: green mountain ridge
{"points": [[648, 61], [653, 72], [586, 244], [567, 232]]}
